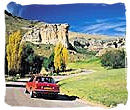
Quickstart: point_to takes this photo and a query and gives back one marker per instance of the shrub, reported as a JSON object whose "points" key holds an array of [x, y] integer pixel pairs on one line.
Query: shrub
{"points": [[114, 58], [48, 63], [30, 62]]}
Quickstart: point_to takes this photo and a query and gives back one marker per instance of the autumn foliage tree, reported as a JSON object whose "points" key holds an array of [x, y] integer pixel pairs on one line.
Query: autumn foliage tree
{"points": [[14, 52], [60, 57]]}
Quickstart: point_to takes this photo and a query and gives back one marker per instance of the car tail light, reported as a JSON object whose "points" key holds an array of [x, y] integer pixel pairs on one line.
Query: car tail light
{"points": [[57, 88]]}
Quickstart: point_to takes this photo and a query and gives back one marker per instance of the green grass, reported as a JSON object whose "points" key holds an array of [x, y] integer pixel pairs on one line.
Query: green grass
{"points": [[89, 63], [107, 87]]}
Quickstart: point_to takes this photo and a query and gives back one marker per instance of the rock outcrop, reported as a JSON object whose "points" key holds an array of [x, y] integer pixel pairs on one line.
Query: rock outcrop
{"points": [[99, 46], [87, 43], [48, 34]]}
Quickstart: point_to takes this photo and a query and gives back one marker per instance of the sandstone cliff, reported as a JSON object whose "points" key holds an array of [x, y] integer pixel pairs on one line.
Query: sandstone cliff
{"points": [[48, 34]]}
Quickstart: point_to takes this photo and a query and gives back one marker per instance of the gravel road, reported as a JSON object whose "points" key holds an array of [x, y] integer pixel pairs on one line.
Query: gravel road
{"points": [[15, 96]]}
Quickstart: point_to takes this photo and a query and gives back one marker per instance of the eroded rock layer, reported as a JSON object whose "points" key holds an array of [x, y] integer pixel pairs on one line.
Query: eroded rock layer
{"points": [[48, 34]]}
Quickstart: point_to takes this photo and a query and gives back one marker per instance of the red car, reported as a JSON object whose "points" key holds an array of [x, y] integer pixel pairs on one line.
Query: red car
{"points": [[42, 85]]}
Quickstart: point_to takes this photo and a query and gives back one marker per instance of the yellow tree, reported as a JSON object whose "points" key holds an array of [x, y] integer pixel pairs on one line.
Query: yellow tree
{"points": [[60, 57], [64, 58], [14, 51]]}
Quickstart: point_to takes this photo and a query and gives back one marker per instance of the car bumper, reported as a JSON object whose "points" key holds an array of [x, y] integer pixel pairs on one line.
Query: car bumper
{"points": [[42, 92]]}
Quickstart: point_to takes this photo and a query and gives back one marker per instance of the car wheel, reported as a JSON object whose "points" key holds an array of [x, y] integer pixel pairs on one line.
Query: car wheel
{"points": [[31, 94]]}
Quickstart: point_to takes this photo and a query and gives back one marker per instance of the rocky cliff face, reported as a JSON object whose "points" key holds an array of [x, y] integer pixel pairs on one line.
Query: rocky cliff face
{"points": [[48, 34], [98, 45]]}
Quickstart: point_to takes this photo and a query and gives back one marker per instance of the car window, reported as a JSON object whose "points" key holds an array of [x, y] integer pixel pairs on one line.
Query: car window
{"points": [[45, 79], [31, 79], [38, 79]]}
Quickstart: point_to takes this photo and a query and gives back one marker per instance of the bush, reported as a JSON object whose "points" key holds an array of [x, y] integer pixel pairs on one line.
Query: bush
{"points": [[114, 58], [48, 63], [31, 63]]}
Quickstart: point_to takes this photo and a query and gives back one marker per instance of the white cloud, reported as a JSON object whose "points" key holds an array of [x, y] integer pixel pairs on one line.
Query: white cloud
{"points": [[104, 27], [120, 29], [92, 27], [101, 20]]}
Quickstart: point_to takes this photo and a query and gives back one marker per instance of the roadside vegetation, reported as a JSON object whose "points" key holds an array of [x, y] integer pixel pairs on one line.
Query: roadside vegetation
{"points": [[27, 58]]}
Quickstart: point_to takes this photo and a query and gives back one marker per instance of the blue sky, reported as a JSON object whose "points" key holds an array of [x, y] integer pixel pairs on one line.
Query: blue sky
{"points": [[86, 18]]}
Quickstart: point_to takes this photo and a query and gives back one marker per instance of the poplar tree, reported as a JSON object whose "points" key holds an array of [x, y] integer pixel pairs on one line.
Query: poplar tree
{"points": [[60, 57], [14, 52], [64, 58]]}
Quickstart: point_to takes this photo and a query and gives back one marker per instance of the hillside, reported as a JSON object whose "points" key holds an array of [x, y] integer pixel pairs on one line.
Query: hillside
{"points": [[14, 23], [58, 32]]}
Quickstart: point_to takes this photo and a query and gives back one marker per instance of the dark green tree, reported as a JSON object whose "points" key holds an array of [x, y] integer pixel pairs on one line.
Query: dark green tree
{"points": [[114, 58]]}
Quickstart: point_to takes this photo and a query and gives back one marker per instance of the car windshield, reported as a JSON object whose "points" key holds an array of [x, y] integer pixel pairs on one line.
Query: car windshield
{"points": [[45, 79]]}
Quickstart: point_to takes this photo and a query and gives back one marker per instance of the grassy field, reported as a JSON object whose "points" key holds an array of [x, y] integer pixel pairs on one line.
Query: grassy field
{"points": [[107, 87]]}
